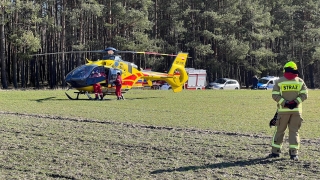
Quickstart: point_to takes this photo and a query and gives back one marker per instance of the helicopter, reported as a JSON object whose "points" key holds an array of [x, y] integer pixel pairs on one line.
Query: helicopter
{"points": [[104, 71]]}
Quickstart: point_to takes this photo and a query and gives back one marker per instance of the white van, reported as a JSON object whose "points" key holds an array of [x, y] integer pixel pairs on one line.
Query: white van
{"points": [[267, 82]]}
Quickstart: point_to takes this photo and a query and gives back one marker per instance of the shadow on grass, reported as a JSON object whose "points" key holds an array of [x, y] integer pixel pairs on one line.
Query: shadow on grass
{"points": [[87, 99], [52, 175], [44, 99], [219, 165], [142, 98]]}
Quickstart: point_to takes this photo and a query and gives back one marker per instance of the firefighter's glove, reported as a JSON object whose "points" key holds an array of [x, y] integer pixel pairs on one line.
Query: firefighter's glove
{"points": [[290, 104], [287, 104], [273, 122]]}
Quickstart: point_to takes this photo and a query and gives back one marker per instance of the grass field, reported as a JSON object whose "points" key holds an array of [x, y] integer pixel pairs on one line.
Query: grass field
{"points": [[151, 135]]}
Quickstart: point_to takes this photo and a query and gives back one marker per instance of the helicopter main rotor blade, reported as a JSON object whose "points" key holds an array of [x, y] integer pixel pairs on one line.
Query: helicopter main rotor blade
{"points": [[149, 53], [69, 52], [160, 54], [103, 51], [133, 52]]}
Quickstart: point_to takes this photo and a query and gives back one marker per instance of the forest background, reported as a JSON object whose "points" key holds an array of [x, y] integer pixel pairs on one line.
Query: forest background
{"points": [[228, 38]]}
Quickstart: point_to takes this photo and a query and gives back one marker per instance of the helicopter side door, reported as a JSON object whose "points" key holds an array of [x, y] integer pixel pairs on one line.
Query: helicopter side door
{"points": [[113, 76]]}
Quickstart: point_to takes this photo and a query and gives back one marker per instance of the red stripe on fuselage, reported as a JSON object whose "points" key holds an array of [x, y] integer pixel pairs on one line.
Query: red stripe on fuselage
{"points": [[132, 77], [127, 83]]}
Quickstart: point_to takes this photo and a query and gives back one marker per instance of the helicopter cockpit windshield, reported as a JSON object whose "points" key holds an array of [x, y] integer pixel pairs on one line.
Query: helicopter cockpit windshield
{"points": [[82, 72], [86, 75]]}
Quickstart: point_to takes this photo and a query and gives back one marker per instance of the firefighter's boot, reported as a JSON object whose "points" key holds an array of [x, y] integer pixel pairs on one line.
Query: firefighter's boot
{"points": [[293, 155], [122, 97], [273, 155], [97, 97], [101, 97]]}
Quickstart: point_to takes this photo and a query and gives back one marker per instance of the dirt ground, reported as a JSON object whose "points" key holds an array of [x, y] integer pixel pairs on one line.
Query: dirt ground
{"points": [[53, 147]]}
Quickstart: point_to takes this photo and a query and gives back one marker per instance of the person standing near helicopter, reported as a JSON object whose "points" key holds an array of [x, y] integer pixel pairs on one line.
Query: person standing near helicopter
{"points": [[118, 83], [97, 87], [97, 91]]}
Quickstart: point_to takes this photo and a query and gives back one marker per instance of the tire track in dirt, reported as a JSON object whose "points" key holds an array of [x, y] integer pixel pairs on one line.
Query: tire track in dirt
{"points": [[129, 125]]}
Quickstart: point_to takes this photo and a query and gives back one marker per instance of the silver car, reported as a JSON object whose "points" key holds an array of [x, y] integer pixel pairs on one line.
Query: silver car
{"points": [[165, 86], [224, 83]]}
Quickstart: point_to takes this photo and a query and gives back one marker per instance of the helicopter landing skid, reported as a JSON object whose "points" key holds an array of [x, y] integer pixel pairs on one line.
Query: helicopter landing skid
{"points": [[69, 97], [78, 93]]}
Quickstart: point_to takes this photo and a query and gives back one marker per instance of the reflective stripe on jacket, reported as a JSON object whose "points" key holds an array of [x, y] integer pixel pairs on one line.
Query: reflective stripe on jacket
{"points": [[289, 90]]}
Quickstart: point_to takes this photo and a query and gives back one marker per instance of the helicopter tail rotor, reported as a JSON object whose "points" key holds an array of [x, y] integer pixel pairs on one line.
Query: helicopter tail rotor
{"points": [[178, 67]]}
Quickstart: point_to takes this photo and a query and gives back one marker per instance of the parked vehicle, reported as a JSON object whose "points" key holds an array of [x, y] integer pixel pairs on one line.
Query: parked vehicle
{"points": [[267, 82], [165, 86], [224, 83], [197, 79]]}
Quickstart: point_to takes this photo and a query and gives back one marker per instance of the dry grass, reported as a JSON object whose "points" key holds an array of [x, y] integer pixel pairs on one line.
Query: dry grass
{"points": [[151, 135]]}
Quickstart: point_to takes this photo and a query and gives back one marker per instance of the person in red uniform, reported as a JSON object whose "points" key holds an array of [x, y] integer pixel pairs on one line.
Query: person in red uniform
{"points": [[118, 83], [97, 91], [97, 87]]}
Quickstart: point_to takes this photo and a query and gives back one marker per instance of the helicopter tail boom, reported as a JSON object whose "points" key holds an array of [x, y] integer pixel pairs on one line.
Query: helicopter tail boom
{"points": [[176, 76], [177, 81]]}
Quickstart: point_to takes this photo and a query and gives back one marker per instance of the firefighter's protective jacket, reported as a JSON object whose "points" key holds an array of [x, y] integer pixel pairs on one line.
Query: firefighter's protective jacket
{"points": [[288, 90]]}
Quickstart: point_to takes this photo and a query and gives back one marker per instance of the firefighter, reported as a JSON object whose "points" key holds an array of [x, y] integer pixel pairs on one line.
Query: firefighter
{"points": [[289, 92], [118, 83]]}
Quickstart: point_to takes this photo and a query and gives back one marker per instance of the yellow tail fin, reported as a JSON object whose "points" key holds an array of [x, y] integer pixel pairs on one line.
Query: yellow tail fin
{"points": [[178, 64]]}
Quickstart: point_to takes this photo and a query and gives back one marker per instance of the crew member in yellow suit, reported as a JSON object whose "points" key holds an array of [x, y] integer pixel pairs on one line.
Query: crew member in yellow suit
{"points": [[289, 92]]}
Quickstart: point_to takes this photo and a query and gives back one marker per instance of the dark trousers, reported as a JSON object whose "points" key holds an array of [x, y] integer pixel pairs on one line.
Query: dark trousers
{"points": [[254, 86]]}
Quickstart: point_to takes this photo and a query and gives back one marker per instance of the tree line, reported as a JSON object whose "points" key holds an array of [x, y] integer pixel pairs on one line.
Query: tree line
{"points": [[227, 38]]}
